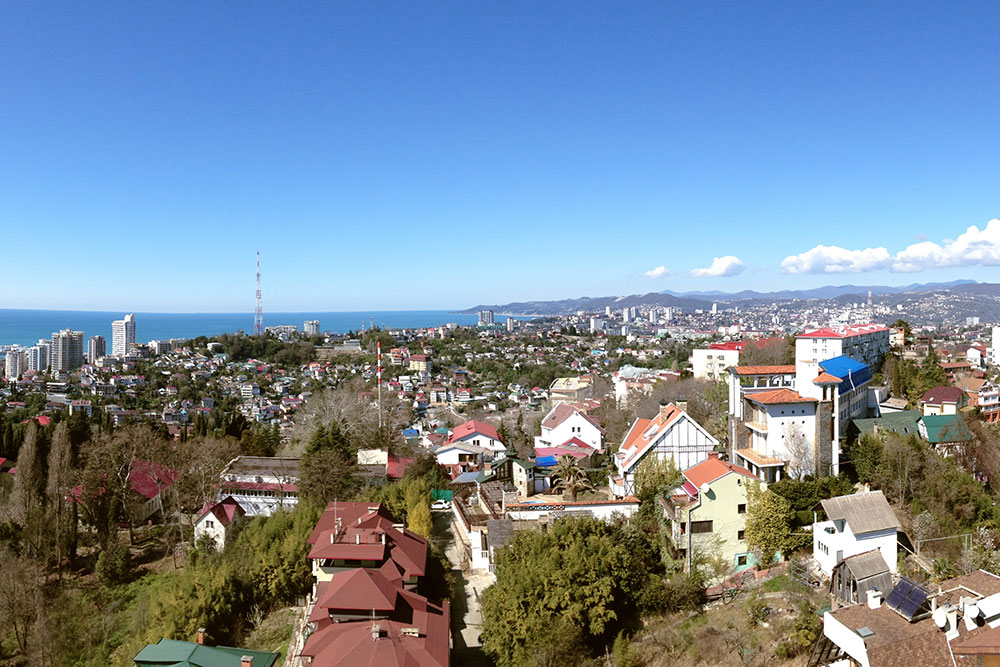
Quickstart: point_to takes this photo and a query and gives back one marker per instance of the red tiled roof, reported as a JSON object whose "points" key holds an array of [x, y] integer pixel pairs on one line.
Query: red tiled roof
{"points": [[826, 378], [355, 590], [471, 428], [764, 370], [779, 396], [712, 469], [843, 332]]}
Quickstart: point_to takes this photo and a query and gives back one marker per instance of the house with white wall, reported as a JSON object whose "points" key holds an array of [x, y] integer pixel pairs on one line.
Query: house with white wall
{"points": [[855, 524], [566, 422], [478, 434], [216, 519], [670, 436]]}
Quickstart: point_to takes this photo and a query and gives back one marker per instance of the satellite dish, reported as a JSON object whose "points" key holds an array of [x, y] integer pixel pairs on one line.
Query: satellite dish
{"points": [[940, 617], [705, 488]]}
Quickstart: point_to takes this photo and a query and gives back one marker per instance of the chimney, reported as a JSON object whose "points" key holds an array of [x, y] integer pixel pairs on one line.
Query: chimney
{"points": [[201, 635], [487, 467], [874, 598], [664, 410], [376, 631], [246, 661], [383, 538], [357, 538]]}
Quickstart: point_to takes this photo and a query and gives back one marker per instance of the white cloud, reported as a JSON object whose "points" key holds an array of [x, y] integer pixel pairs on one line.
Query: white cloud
{"points": [[721, 266], [974, 247], [658, 272], [834, 259]]}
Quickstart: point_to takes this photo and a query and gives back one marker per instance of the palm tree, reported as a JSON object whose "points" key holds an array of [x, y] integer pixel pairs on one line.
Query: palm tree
{"points": [[569, 478]]}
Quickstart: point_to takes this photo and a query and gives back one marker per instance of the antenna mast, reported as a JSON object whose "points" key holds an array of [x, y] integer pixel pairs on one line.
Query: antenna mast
{"points": [[258, 314]]}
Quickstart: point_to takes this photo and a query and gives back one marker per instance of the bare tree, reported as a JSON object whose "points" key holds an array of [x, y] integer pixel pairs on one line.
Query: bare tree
{"points": [[801, 458]]}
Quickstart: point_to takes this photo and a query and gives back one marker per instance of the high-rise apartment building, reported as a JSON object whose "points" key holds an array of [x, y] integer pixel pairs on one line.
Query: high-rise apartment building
{"points": [[67, 350], [38, 356], [311, 327], [97, 347], [123, 335], [485, 318], [15, 364]]}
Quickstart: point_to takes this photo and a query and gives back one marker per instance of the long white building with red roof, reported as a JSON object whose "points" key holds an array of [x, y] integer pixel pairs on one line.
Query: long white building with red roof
{"points": [[670, 436]]}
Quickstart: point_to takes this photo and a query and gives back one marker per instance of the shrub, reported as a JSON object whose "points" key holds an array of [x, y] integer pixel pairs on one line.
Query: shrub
{"points": [[114, 565]]}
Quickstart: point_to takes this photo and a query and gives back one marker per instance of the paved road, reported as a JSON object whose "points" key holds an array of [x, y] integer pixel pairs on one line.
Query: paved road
{"points": [[466, 614]]}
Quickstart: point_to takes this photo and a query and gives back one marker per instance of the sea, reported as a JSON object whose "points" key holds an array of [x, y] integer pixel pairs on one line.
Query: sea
{"points": [[26, 327]]}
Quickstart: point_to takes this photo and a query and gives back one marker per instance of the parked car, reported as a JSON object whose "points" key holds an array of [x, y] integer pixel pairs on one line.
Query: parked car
{"points": [[441, 505]]}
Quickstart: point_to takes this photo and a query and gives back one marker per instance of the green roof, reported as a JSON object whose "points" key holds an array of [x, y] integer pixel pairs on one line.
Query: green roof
{"points": [[904, 423], [175, 653], [946, 428]]}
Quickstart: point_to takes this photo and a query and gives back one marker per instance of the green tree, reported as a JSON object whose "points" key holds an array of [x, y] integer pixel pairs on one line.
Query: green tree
{"points": [[768, 525], [569, 478]]}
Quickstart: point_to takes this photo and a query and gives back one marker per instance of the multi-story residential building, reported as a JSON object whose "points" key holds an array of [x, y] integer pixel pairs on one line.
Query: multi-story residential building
{"points": [[123, 335], [311, 327], [96, 348], [989, 402], [39, 356], [364, 607], [788, 419], [16, 363], [159, 346], [670, 436], [709, 516], [485, 318], [67, 350], [713, 363], [866, 343]]}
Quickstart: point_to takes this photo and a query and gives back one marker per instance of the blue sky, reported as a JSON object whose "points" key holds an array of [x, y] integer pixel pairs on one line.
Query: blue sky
{"points": [[421, 155]]}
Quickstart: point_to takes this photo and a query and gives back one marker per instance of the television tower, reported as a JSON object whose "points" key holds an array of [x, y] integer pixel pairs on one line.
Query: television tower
{"points": [[258, 314]]}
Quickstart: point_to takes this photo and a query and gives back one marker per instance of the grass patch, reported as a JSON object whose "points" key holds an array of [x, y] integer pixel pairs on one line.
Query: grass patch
{"points": [[274, 633], [783, 583]]}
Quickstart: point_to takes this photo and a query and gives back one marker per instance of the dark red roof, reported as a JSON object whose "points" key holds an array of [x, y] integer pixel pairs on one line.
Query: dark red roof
{"points": [[225, 511], [148, 479], [942, 394]]}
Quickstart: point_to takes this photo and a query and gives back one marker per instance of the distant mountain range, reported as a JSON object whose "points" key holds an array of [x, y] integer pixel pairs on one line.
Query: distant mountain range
{"points": [[693, 300]]}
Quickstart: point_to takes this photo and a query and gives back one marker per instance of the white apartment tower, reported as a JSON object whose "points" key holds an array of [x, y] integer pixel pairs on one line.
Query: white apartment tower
{"points": [[123, 335], [311, 327], [15, 364], [38, 356], [485, 318], [67, 350]]}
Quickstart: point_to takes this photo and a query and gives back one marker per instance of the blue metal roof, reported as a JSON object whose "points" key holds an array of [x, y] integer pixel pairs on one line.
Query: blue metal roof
{"points": [[852, 373], [545, 461]]}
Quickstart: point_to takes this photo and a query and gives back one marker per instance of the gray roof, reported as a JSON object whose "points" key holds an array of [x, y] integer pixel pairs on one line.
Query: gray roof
{"points": [[864, 512], [866, 565], [499, 531]]}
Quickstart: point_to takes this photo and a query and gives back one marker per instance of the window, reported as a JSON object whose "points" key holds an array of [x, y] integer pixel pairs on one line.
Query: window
{"points": [[739, 534], [210, 524], [741, 560], [741, 508], [701, 527]]}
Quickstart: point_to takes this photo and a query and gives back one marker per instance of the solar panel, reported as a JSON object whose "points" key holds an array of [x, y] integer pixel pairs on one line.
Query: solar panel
{"points": [[907, 598], [911, 605], [899, 593]]}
